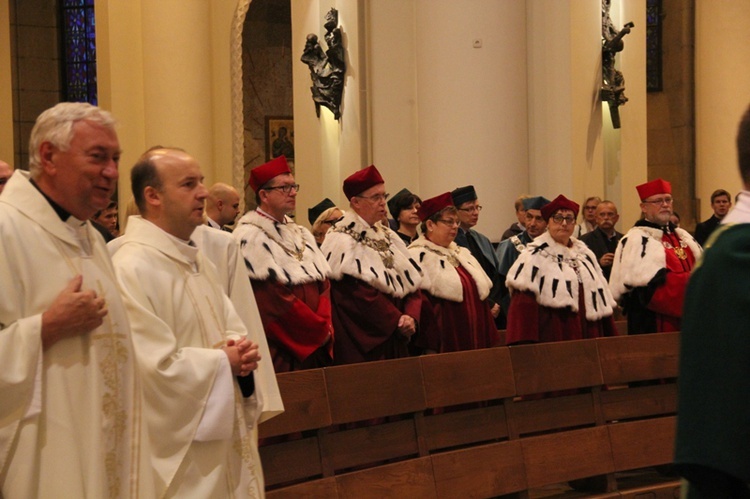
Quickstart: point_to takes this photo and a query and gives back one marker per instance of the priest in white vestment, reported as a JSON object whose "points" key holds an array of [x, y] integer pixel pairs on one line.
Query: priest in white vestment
{"points": [[70, 418], [189, 341]]}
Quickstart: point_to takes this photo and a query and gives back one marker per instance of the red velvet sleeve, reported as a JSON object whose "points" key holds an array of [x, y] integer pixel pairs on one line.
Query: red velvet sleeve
{"points": [[290, 320], [668, 298]]}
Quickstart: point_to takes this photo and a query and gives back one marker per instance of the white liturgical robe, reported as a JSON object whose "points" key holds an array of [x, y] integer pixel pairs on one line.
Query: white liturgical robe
{"points": [[201, 445], [222, 249], [70, 416]]}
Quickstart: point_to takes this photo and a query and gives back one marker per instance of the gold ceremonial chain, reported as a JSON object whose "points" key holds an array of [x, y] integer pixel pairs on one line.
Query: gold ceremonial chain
{"points": [[570, 262], [296, 253], [381, 246], [451, 257], [679, 252]]}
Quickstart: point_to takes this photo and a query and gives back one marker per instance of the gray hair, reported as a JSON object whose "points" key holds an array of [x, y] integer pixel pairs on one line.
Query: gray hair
{"points": [[55, 125]]}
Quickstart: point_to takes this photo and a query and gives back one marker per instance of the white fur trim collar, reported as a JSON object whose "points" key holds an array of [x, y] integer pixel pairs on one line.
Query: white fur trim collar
{"points": [[640, 255], [373, 254], [552, 273], [284, 252], [439, 277]]}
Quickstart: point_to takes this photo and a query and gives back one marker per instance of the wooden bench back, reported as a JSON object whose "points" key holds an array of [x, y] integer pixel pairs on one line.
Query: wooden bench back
{"points": [[475, 424]]}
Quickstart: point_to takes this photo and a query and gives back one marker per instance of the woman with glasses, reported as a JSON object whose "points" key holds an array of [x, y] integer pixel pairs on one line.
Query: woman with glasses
{"points": [[558, 291], [454, 286]]}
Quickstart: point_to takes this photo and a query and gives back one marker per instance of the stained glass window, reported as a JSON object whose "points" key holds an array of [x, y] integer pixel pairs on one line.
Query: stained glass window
{"points": [[654, 17], [79, 50]]}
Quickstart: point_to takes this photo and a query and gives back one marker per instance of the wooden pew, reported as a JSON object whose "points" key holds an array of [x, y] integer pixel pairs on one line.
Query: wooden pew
{"points": [[519, 420], [640, 414]]}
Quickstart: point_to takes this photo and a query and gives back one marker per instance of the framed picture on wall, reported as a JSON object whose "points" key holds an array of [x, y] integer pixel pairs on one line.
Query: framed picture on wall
{"points": [[279, 137]]}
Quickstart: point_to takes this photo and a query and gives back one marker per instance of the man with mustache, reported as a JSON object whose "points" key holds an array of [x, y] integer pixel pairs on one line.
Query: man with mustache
{"points": [[652, 264]]}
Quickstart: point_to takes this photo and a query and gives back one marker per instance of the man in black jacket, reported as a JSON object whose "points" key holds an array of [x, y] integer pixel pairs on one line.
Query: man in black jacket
{"points": [[603, 240], [721, 201]]}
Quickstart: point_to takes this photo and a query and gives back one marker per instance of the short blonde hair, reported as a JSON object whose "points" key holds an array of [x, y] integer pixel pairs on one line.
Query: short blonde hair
{"points": [[322, 218]]}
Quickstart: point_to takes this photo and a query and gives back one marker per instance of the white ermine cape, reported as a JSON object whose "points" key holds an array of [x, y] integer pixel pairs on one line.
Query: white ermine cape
{"points": [[552, 273], [439, 275], [285, 252], [373, 254], [640, 254]]}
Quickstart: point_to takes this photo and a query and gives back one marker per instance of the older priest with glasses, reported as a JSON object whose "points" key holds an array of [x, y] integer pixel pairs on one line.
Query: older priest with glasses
{"points": [[453, 282], [652, 264], [374, 282], [558, 291]]}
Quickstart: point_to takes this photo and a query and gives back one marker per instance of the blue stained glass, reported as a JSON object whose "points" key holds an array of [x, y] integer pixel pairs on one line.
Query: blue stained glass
{"points": [[79, 52]]}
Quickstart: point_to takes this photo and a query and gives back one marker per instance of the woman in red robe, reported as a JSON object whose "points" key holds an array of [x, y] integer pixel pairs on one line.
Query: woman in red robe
{"points": [[454, 286], [558, 291]]}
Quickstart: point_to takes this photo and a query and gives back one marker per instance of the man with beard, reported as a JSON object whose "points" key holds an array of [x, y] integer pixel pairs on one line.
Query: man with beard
{"points": [[652, 264]]}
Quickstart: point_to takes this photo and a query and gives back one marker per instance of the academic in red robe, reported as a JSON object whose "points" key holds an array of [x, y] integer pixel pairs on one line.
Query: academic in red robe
{"points": [[289, 278]]}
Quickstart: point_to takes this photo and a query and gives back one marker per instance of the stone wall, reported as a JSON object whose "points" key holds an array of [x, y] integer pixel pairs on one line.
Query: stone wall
{"points": [[671, 112], [35, 67]]}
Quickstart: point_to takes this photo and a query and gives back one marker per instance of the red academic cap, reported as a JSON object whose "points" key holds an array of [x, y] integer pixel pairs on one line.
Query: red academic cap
{"points": [[431, 206], [265, 172], [559, 203], [656, 186], [361, 181]]}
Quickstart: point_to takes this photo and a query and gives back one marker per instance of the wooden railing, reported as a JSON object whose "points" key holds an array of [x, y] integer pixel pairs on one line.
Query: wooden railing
{"points": [[481, 423]]}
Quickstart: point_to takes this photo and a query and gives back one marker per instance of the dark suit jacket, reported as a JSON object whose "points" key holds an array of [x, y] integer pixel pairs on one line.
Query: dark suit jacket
{"points": [[704, 229], [600, 244]]}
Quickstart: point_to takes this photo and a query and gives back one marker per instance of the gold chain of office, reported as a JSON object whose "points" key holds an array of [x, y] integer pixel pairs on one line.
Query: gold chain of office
{"points": [[452, 256], [297, 253], [381, 246]]}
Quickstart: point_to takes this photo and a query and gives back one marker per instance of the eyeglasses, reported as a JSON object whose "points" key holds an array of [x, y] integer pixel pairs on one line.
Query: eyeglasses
{"points": [[472, 209], [449, 223], [286, 189], [660, 201], [376, 198], [331, 221], [560, 219]]}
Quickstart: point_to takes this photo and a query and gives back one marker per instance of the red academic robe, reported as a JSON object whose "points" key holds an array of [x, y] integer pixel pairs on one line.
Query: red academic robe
{"points": [[365, 321], [466, 325], [530, 322], [668, 299], [649, 277], [297, 321]]}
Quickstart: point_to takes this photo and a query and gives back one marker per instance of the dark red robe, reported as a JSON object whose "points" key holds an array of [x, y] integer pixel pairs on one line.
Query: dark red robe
{"points": [[530, 322], [297, 321], [466, 325], [365, 321]]}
